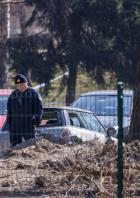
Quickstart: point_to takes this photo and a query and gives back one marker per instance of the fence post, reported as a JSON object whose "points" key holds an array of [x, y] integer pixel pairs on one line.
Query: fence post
{"points": [[120, 86]]}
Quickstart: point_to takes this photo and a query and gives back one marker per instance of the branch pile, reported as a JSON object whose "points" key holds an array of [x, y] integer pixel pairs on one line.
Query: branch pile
{"points": [[83, 170]]}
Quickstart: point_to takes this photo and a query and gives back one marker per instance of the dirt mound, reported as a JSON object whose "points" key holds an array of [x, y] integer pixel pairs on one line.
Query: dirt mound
{"points": [[83, 170]]}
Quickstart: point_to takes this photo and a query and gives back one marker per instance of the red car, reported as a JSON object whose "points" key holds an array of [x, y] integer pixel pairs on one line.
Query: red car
{"points": [[4, 94]]}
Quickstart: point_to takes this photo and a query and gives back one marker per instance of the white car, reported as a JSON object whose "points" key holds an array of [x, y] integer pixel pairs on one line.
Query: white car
{"points": [[67, 125]]}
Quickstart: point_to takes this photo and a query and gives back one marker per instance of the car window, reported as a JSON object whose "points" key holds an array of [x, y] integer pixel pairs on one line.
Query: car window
{"points": [[50, 118], [92, 123], [3, 105], [75, 119]]}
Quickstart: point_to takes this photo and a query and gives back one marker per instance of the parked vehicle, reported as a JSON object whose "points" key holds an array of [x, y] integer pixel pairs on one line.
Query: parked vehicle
{"points": [[104, 104], [4, 94], [68, 125]]}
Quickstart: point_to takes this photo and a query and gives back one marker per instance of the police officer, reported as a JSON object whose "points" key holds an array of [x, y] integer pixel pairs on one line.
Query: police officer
{"points": [[24, 111]]}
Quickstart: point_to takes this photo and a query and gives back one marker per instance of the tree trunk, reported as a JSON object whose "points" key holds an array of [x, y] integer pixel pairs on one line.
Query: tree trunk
{"points": [[3, 48], [71, 84], [22, 19], [134, 132], [3, 66]]}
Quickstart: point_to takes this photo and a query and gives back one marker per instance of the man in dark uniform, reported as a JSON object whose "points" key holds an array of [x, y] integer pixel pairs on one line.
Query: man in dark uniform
{"points": [[24, 111]]}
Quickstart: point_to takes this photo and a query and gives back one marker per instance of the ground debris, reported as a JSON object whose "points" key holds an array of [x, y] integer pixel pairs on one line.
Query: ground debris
{"points": [[82, 170]]}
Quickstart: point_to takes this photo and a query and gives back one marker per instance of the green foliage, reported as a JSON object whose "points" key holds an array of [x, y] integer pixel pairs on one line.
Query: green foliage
{"points": [[38, 67], [100, 34], [96, 35]]}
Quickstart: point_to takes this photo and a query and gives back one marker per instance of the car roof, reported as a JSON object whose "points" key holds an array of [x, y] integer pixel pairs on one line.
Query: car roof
{"points": [[5, 92], [107, 92], [66, 108]]}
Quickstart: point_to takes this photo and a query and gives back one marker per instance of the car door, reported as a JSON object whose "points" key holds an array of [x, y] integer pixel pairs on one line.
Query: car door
{"points": [[94, 126], [86, 126]]}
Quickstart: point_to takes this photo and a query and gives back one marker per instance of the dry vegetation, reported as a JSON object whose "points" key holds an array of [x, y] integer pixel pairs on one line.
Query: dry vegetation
{"points": [[84, 170]]}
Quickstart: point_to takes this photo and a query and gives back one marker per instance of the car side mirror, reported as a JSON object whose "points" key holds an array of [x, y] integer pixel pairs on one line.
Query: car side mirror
{"points": [[111, 131]]}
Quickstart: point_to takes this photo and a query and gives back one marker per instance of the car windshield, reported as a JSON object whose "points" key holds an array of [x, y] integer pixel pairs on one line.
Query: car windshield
{"points": [[104, 104], [3, 105], [92, 123]]}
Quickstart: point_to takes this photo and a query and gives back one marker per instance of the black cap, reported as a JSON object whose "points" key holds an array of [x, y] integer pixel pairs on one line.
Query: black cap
{"points": [[20, 78]]}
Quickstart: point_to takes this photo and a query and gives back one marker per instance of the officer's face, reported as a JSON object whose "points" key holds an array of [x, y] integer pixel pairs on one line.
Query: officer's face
{"points": [[22, 86]]}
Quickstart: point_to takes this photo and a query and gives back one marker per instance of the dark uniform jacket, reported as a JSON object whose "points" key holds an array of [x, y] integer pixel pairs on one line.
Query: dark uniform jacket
{"points": [[24, 110]]}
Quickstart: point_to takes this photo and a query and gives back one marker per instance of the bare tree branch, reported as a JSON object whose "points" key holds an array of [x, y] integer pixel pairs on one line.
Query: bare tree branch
{"points": [[12, 1]]}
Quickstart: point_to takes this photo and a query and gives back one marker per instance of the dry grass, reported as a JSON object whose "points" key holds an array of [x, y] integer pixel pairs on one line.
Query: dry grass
{"points": [[84, 170]]}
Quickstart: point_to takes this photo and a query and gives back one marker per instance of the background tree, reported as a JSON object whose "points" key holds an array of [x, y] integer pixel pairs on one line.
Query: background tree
{"points": [[26, 59], [3, 50], [130, 13], [125, 60], [64, 27], [73, 25]]}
